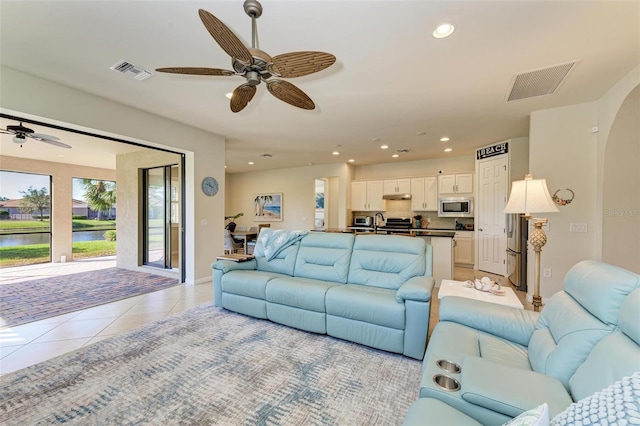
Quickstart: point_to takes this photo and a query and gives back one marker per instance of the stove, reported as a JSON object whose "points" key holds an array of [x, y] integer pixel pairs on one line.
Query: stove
{"points": [[397, 225]]}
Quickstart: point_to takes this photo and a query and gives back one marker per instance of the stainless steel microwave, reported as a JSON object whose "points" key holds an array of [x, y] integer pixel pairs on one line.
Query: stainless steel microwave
{"points": [[455, 207]]}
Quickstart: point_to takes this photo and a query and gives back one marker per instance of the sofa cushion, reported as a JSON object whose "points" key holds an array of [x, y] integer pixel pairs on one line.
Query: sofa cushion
{"points": [[283, 263], [247, 283], [368, 304], [564, 336], [302, 293], [606, 288], [386, 261], [454, 342], [615, 356], [324, 257]]}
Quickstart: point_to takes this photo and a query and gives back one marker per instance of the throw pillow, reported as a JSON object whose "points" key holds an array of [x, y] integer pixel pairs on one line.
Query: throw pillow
{"points": [[538, 416], [618, 404]]}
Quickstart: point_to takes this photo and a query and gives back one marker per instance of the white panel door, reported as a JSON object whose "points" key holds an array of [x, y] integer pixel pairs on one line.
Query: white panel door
{"points": [[492, 197]]}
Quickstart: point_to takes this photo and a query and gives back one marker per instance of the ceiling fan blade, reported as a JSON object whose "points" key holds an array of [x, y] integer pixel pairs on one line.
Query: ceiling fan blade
{"points": [[196, 71], [6, 132], [42, 137], [290, 94], [54, 142], [242, 96], [297, 64], [227, 40]]}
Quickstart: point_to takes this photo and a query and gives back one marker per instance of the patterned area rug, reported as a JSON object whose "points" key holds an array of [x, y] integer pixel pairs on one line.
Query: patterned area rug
{"points": [[209, 366], [34, 300]]}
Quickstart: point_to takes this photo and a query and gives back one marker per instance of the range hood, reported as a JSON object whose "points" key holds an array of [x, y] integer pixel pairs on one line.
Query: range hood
{"points": [[396, 197]]}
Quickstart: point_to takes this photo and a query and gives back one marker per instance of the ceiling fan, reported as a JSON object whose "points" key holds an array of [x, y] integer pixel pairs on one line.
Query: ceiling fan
{"points": [[255, 65], [22, 133]]}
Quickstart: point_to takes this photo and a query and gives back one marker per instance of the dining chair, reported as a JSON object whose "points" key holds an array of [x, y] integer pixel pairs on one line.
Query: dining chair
{"points": [[251, 244], [231, 245]]}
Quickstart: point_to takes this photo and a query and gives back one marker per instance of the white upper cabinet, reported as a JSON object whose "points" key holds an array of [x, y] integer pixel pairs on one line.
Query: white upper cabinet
{"points": [[367, 195], [397, 186], [455, 184], [424, 194]]}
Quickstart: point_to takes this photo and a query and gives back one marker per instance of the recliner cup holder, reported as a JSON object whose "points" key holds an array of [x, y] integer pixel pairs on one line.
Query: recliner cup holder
{"points": [[448, 366], [447, 383]]}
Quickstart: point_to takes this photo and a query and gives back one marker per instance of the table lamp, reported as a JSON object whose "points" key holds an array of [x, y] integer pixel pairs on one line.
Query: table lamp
{"points": [[532, 196]]}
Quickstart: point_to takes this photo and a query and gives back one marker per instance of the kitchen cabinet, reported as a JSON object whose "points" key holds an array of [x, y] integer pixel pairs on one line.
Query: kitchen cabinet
{"points": [[464, 248], [367, 195], [424, 194], [461, 183], [397, 186]]}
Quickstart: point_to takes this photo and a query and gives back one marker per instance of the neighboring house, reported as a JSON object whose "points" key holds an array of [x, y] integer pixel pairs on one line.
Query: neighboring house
{"points": [[80, 208], [15, 212]]}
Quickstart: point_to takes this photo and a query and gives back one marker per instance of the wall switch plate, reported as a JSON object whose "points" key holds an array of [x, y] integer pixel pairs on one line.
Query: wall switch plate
{"points": [[203, 222], [546, 272], [577, 227]]}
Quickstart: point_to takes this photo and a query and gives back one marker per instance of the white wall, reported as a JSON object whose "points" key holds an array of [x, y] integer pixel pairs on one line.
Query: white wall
{"points": [[621, 188], [563, 149], [418, 168], [204, 152], [298, 193], [61, 196]]}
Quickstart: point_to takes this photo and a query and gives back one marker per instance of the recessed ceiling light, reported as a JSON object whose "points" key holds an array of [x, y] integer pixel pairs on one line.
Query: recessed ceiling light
{"points": [[335, 153], [444, 139], [443, 30], [448, 149], [421, 133], [229, 95], [404, 150], [251, 162], [225, 166], [310, 164], [375, 140], [351, 160], [384, 146], [266, 155], [395, 156]]}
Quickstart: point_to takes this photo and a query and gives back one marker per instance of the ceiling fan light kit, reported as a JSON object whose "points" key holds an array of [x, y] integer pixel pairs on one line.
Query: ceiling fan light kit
{"points": [[21, 134], [257, 66]]}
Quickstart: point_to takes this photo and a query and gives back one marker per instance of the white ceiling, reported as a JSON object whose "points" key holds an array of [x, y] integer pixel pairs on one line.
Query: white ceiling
{"points": [[392, 79]]}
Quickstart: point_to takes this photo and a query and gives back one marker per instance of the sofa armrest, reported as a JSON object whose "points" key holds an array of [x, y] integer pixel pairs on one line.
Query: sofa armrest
{"points": [[229, 265], [515, 325], [416, 288], [510, 390]]}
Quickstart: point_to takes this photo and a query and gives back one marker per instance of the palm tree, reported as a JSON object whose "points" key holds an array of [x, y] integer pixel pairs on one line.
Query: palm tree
{"points": [[100, 194], [259, 202]]}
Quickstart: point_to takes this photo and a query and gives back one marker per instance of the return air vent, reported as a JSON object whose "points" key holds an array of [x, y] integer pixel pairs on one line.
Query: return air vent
{"points": [[128, 68], [539, 82]]}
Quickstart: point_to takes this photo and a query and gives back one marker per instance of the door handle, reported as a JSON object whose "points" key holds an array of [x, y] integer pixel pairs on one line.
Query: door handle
{"points": [[480, 229]]}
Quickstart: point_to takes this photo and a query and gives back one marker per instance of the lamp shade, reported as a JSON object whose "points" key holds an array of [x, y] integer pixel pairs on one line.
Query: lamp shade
{"points": [[530, 196]]}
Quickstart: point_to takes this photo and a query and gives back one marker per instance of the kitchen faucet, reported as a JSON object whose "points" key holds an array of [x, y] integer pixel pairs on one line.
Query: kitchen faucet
{"points": [[375, 220]]}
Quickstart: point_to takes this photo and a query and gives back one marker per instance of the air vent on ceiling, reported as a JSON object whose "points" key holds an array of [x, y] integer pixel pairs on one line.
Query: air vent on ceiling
{"points": [[539, 82], [125, 67]]}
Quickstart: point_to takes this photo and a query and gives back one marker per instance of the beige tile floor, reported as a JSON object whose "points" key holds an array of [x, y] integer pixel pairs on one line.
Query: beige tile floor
{"points": [[28, 344]]}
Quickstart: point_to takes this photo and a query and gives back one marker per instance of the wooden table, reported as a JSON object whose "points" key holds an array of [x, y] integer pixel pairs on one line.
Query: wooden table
{"points": [[246, 236], [457, 288]]}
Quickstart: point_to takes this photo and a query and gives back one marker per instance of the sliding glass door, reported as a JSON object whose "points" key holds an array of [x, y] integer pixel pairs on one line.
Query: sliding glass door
{"points": [[162, 216]]}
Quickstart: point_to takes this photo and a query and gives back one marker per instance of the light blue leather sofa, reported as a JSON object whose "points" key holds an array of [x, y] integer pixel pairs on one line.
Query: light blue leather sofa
{"points": [[370, 289], [584, 339]]}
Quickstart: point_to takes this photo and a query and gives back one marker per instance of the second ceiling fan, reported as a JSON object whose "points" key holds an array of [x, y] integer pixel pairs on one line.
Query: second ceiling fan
{"points": [[255, 65]]}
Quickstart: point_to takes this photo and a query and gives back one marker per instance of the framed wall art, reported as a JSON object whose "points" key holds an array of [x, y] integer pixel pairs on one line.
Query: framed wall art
{"points": [[267, 207]]}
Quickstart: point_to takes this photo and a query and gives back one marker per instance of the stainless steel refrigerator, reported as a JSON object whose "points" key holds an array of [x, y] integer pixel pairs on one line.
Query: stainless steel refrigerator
{"points": [[517, 234]]}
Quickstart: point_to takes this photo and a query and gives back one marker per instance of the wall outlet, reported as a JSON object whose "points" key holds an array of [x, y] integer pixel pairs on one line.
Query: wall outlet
{"points": [[203, 222], [546, 272], [577, 227]]}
